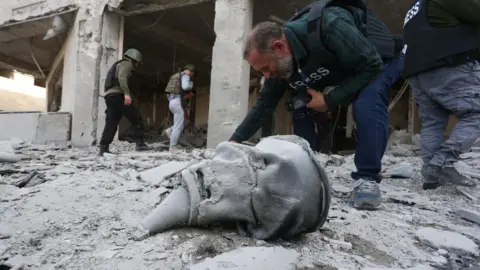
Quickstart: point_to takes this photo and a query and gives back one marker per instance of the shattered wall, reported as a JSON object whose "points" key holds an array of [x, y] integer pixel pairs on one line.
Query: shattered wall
{"points": [[87, 55], [36, 127]]}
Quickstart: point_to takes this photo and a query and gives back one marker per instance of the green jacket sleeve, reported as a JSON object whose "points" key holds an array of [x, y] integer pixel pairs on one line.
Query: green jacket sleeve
{"points": [[354, 52], [270, 94], [467, 11], [124, 70]]}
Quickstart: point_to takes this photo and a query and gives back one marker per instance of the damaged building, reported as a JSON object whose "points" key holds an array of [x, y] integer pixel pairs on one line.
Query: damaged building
{"points": [[69, 45], [64, 207]]}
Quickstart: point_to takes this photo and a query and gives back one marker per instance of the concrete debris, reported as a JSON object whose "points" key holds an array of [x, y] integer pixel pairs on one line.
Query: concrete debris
{"points": [[399, 137], [84, 212], [7, 153], [156, 175], [466, 192], [450, 241], [252, 258], [402, 170], [468, 215], [191, 136], [6, 147], [337, 244]]}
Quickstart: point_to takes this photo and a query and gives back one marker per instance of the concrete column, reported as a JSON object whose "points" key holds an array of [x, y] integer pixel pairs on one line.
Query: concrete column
{"points": [[230, 77], [111, 42], [81, 78]]}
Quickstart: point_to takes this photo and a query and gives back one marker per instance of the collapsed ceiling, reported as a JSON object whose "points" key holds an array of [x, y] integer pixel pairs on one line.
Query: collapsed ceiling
{"points": [[22, 44]]}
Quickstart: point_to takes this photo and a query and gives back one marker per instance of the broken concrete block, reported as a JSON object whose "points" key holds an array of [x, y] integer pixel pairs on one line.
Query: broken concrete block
{"points": [[337, 244], [340, 188], [470, 155], [402, 150], [451, 241], [16, 143], [12, 193], [399, 137], [7, 153], [252, 258], [20, 260], [468, 215], [156, 175], [401, 170], [6, 147], [9, 157], [53, 128]]}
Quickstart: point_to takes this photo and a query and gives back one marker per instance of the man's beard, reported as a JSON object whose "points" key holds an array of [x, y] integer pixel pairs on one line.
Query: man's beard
{"points": [[284, 67]]}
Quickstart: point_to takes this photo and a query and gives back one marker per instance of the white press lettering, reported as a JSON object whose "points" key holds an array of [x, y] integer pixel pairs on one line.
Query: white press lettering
{"points": [[311, 78], [412, 12]]}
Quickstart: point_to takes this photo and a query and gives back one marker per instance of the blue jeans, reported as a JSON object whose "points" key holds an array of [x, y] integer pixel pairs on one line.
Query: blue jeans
{"points": [[309, 127], [370, 111]]}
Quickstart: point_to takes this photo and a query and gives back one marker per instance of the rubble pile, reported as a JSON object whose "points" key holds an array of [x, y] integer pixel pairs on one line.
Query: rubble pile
{"points": [[66, 208], [192, 137]]}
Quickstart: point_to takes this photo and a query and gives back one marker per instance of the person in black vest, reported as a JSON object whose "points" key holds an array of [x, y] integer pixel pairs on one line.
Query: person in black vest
{"points": [[326, 45], [119, 102], [442, 67]]}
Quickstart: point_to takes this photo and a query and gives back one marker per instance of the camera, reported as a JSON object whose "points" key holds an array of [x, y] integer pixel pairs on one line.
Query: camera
{"points": [[299, 100]]}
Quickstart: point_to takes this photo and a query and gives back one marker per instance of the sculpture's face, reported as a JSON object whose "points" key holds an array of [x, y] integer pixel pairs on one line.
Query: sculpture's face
{"points": [[275, 169], [285, 161]]}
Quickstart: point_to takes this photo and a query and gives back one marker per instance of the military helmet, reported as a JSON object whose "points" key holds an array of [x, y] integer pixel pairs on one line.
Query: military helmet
{"points": [[190, 67], [134, 54]]}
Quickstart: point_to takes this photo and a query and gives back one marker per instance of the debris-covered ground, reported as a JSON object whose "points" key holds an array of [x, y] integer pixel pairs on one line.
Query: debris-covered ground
{"points": [[66, 208]]}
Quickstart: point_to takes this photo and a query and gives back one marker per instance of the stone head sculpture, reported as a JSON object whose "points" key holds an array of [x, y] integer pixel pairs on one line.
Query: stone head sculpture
{"points": [[276, 189]]}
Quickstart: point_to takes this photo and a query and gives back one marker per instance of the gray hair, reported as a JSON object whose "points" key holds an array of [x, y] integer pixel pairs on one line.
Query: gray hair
{"points": [[261, 37]]}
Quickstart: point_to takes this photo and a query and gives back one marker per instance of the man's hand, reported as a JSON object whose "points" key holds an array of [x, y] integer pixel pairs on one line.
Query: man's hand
{"points": [[128, 100], [318, 102]]}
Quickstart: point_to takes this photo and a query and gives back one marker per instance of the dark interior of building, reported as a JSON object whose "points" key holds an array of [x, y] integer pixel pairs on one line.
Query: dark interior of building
{"points": [[168, 40]]}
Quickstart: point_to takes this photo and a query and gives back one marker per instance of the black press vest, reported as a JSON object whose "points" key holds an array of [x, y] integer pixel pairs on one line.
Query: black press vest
{"points": [[323, 69], [430, 48], [111, 80]]}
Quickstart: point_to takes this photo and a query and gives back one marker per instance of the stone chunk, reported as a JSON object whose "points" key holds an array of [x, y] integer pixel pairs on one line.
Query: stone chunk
{"points": [[156, 175], [451, 241], [7, 153], [6, 147], [252, 258], [468, 215], [401, 170]]}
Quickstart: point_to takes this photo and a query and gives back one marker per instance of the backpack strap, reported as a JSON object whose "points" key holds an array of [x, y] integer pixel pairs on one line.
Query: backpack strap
{"points": [[376, 31]]}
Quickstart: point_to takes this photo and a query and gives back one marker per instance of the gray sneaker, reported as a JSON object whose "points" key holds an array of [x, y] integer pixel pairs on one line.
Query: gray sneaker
{"points": [[366, 195], [435, 176]]}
